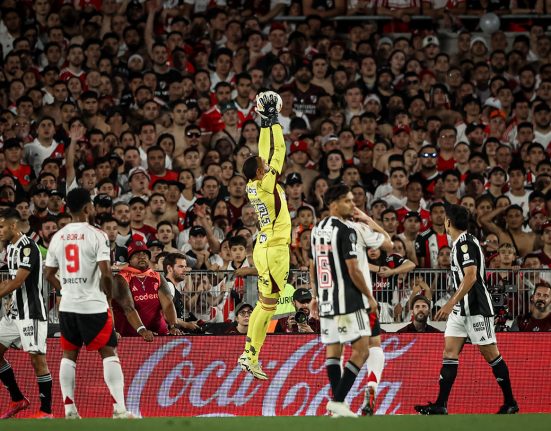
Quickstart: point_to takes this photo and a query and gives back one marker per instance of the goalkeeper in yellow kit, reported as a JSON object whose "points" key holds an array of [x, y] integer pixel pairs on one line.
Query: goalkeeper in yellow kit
{"points": [[271, 251]]}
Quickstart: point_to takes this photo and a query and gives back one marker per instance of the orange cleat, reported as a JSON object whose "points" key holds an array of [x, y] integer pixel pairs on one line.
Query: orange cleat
{"points": [[15, 407], [42, 415]]}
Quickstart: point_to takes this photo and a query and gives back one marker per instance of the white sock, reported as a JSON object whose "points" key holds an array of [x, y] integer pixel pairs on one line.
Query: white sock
{"points": [[375, 365], [67, 370], [114, 379]]}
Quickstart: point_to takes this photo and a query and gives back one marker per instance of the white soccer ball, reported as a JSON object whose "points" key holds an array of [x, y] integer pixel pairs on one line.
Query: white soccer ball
{"points": [[260, 107]]}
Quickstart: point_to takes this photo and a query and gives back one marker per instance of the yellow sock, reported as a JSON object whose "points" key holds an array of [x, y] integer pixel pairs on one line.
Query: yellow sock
{"points": [[260, 328], [250, 330]]}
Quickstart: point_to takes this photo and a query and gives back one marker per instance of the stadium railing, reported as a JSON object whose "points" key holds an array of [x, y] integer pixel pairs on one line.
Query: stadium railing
{"points": [[217, 292], [417, 18]]}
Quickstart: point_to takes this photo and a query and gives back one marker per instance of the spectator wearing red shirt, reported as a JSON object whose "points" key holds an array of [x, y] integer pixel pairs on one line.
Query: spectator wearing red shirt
{"points": [[151, 297], [433, 239], [420, 312], [414, 195], [75, 60], [211, 120], [156, 166], [237, 198], [539, 318], [140, 231], [12, 151], [447, 136], [428, 175]]}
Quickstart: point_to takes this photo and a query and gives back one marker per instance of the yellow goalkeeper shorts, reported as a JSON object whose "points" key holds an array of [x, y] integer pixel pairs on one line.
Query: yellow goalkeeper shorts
{"points": [[272, 264]]}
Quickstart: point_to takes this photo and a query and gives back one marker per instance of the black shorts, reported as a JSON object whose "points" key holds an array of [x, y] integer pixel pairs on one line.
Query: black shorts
{"points": [[93, 330], [375, 325]]}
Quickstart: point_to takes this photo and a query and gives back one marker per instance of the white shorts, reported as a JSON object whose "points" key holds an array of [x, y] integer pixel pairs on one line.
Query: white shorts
{"points": [[346, 328], [479, 329], [27, 334]]}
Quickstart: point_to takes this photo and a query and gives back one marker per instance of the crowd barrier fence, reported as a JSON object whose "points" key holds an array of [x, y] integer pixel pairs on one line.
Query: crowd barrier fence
{"points": [[510, 291]]}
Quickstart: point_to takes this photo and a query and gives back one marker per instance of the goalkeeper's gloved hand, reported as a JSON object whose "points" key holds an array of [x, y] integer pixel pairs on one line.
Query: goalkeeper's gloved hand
{"points": [[266, 106]]}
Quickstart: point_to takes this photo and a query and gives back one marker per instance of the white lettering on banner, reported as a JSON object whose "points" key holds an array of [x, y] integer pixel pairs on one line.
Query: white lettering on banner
{"points": [[231, 387]]}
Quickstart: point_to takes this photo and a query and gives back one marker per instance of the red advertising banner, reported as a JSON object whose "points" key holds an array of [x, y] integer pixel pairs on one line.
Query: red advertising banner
{"points": [[199, 376]]}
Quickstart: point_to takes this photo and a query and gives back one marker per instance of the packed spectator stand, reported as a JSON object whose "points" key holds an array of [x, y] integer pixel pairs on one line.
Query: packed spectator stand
{"points": [[150, 106]]}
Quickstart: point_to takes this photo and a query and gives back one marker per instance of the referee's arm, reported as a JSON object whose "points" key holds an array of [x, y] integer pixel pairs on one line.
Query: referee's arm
{"points": [[466, 285]]}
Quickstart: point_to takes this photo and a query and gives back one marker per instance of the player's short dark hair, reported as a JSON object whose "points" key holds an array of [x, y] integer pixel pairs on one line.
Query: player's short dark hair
{"points": [[336, 192], [170, 260], [458, 216], [250, 167], [77, 199], [237, 240], [9, 214]]}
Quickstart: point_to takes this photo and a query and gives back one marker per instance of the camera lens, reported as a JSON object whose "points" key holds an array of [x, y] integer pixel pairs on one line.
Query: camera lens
{"points": [[301, 317]]}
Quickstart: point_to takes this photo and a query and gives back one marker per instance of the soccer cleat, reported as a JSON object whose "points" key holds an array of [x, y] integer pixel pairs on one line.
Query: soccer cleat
{"points": [[72, 415], [243, 362], [368, 408], [431, 409], [340, 410], [508, 409], [256, 371], [15, 407], [42, 415], [124, 415]]}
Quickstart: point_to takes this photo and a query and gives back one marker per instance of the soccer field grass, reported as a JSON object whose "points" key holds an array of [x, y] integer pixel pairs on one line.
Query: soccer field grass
{"points": [[379, 423]]}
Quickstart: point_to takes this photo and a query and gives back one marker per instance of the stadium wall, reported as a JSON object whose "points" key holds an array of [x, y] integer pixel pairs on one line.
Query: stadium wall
{"points": [[199, 376]]}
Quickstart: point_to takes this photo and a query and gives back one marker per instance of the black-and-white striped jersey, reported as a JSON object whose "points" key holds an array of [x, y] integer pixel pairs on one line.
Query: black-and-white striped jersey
{"points": [[333, 243], [466, 251], [27, 302]]}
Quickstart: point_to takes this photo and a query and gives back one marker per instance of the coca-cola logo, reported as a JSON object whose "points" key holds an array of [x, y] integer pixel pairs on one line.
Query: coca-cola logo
{"points": [[218, 387]]}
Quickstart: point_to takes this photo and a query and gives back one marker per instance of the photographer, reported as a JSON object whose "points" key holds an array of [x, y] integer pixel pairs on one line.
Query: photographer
{"points": [[300, 322]]}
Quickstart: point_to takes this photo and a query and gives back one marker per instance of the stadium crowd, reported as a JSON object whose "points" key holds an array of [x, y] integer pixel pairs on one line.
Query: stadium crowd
{"points": [[150, 106]]}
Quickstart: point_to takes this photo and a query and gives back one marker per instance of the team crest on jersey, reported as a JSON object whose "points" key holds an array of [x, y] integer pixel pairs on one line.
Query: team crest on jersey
{"points": [[464, 248], [27, 251], [353, 238]]}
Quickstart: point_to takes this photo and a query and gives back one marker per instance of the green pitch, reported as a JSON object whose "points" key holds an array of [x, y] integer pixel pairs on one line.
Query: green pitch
{"points": [[379, 423]]}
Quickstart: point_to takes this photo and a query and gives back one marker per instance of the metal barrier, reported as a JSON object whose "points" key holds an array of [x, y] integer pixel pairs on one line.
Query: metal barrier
{"points": [[348, 18], [212, 296]]}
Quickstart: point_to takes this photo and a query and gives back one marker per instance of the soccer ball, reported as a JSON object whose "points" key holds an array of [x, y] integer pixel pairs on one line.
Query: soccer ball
{"points": [[260, 107]]}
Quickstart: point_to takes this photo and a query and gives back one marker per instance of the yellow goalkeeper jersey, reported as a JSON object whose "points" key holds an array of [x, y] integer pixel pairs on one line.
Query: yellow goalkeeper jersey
{"points": [[267, 196]]}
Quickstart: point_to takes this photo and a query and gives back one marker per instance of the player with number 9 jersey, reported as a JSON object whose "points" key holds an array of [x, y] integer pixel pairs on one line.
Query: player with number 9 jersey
{"points": [[75, 250]]}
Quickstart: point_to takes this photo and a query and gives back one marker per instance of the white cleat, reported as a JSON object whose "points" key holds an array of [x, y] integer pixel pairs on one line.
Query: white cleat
{"points": [[72, 415], [243, 362], [125, 415], [337, 409], [256, 370]]}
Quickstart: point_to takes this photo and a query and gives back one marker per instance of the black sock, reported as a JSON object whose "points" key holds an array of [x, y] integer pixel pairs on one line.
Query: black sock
{"points": [[448, 373], [351, 371], [501, 373], [45, 392], [8, 379], [333, 367]]}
